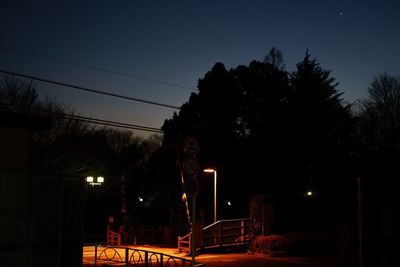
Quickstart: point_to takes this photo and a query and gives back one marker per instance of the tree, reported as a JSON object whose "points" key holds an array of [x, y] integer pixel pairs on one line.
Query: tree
{"points": [[322, 139], [237, 115], [319, 114], [275, 58], [380, 113], [17, 94], [265, 129]]}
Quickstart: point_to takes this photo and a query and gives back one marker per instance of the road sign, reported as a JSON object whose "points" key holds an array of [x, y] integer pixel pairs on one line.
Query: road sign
{"points": [[191, 146], [191, 187], [190, 166]]}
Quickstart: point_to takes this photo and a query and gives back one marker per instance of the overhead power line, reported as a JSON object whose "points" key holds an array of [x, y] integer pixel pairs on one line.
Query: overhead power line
{"points": [[88, 119], [98, 69], [77, 87], [111, 123]]}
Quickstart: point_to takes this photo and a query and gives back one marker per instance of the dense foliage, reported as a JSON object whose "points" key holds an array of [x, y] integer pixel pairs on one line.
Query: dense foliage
{"points": [[266, 130]]}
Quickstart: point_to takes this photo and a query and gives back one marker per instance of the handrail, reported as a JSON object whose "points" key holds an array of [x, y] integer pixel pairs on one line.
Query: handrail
{"points": [[226, 233], [182, 242], [219, 234], [137, 257], [222, 221]]}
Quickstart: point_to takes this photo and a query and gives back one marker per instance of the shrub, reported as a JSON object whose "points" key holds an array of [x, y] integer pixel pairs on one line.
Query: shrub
{"points": [[292, 244]]}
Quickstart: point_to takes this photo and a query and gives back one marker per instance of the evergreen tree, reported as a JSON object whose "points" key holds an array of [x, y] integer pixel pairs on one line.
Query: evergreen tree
{"points": [[321, 131]]}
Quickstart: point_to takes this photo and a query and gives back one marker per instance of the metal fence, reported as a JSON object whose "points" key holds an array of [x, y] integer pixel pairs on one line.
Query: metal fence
{"points": [[136, 257], [226, 233]]}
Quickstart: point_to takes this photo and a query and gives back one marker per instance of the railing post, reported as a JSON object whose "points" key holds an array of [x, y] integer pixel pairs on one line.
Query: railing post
{"points": [[242, 230], [220, 234], [190, 242], [146, 259], [127, 257], [161, 259], [95, 255]]}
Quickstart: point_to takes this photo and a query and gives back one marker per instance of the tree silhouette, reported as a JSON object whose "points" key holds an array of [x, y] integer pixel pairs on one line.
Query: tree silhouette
{"points": [[380, 113], [275, 58], [267, 130], [17, 94]]}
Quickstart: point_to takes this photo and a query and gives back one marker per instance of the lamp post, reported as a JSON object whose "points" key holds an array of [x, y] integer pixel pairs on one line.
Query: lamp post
{"points": [[99, 180], [215, 190]]}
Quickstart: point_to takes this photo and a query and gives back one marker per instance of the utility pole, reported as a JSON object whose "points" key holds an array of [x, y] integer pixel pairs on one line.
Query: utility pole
{"points": [[360, 235]]}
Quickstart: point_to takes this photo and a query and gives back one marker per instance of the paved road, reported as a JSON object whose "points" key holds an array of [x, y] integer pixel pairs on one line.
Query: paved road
{"points": [[229, 260]]}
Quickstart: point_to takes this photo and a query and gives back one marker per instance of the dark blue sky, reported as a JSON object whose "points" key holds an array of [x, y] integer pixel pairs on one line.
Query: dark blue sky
{"points": [[179, 41]]}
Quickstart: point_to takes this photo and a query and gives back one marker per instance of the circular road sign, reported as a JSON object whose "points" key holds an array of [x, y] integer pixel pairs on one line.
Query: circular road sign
{"points": [[191, 166], [191, 146]]}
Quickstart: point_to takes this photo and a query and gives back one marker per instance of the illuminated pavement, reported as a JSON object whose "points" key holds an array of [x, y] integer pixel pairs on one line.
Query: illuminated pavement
{"points": [[89, 252], [225, 260]]}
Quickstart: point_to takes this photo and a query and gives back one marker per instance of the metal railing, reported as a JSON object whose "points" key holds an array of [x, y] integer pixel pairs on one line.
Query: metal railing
{"points": [[136, 257], [184, 243], [222, 233], [226, 233], [113, 238]]}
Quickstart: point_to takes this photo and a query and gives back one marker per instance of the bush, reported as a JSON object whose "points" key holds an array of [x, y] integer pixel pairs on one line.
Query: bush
{"points": [[291, 244]]}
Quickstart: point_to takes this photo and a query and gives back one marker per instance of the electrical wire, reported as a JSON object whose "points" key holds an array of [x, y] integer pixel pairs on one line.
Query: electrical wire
{"points": [[77, 87], [111, 123], [86, 119], [98, 69]]}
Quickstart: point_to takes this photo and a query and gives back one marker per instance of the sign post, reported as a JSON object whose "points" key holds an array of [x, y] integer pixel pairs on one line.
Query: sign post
{"points": [[193, 245], [190, 168]]}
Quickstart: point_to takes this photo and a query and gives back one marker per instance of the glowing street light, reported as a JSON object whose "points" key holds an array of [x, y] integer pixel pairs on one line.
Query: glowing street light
{"points": [[215, 190], [309, 194], [99, 180]]}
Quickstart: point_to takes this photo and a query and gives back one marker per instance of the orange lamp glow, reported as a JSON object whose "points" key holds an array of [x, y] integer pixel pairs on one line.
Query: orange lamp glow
{"points": [[209, 170]]}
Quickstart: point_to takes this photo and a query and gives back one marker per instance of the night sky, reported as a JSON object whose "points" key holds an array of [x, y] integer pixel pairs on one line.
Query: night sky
{"points": [[179, 41]]}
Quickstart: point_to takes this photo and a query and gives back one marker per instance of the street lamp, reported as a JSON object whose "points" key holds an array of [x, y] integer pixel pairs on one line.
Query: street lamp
{"points": [[90, 180], [215, 191]]}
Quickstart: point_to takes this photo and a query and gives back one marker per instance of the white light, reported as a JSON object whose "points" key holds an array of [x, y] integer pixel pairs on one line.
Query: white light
{"points": [[100, 179], [229, 203], [140, 199], [89, 179], [309, 193]]}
